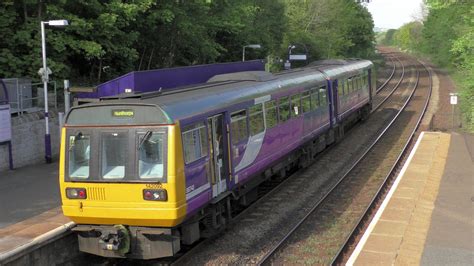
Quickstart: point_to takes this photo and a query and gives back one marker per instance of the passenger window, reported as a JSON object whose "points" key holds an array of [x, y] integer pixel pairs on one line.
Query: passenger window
{"points": [[347, 88], [79, 156], [314, 99], [114, 154], [295, 105], [322, 96], [284, 108], [150, 155], [238, 126], [306, 102], [194, 142], [257, 123], [271, 114], [341, 88]]}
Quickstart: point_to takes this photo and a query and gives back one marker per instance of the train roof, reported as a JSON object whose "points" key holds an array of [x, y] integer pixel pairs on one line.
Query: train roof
{"points": [[229, 89]]}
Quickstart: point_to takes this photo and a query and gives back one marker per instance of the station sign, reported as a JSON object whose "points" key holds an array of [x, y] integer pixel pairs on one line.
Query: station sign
{"points": [[298, 57], [5, 123], [453, 98]]}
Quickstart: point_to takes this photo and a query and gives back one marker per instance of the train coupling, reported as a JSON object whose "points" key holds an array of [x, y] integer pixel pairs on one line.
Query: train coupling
{"points": [[119, 241], [116, 239]]}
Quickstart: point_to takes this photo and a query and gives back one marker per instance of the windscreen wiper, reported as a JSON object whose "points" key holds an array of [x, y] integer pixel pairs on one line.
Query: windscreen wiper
{"points": [[76, 138], [145, 137]]}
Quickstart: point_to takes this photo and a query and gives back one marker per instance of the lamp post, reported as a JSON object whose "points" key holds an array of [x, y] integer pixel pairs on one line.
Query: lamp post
{"points": [[287, 64], [45, 78], [253, 46]]}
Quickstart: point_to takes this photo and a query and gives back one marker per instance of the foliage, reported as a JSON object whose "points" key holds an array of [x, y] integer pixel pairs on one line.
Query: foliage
{"points": [[447, 37], [107, 38], [330, 28], [408, 37]]}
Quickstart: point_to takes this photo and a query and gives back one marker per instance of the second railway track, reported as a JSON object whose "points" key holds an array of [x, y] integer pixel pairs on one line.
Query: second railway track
{"points": [[264, 223], [330, 224]]}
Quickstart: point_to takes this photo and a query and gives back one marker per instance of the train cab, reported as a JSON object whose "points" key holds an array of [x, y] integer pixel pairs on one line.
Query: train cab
{"points": [[121, 165]]}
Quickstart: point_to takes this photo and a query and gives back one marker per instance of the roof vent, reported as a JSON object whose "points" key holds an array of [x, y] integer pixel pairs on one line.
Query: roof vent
{"points": [[338, 62], [259, 76]]}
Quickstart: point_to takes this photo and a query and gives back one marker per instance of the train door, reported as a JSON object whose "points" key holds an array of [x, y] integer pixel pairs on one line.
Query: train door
{"points": [[218, 148], [335, 101]]}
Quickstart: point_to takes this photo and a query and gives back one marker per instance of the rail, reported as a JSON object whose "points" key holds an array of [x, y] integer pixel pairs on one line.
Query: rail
{"points": [[394, 88], [389, 78], [275, 248], [186, 257], [389, 176]]}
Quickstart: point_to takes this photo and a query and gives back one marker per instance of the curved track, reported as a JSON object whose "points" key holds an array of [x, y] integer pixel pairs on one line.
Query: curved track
{"points": [[242, 246], [378, 103], [361, 224], [203, 251], [390, 77], [335, 203]]}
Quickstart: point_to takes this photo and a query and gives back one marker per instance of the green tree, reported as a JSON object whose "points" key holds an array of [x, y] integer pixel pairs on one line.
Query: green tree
{"points": [[409, 36], [330, 28]]}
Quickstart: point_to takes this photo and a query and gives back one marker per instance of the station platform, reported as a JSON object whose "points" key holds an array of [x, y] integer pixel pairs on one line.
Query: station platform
{"points": [[427, 217], [30, 214]]}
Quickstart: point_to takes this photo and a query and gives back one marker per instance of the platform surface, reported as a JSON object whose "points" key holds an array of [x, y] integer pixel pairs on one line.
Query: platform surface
{"points": [[25, 232], [28, 191], [427, 217]]}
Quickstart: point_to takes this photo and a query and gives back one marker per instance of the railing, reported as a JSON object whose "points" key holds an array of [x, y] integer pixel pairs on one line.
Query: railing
{"points": [[27, 97]]}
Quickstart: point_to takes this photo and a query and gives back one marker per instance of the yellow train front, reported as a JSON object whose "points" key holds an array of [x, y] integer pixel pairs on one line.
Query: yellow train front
{"points": [[122, 180]]}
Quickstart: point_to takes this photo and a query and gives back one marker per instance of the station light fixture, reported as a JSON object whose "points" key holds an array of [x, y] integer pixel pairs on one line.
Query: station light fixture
{"points": [[45, 72], [253, 46]]}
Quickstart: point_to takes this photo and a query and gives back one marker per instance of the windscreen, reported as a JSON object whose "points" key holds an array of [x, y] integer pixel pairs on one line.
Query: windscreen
{"points": [[116, 154]]}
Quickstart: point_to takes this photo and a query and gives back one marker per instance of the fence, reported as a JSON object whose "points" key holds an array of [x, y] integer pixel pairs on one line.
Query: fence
{"points": [[27, 97]]}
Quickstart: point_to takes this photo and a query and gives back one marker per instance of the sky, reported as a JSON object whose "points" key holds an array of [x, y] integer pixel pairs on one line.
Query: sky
{"points": [[391, 14]]}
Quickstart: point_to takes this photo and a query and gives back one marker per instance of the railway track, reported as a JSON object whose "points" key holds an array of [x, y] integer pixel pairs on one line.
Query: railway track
{"points": [[343, 210], [258, 209], [361, 225], [278, 195], [390, 77], [380, 101]]}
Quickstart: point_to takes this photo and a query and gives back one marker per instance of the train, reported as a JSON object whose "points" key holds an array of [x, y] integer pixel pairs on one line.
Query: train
{"points": [[144, 174]]}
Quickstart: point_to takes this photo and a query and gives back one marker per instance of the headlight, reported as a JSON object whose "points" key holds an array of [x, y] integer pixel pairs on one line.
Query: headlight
{"points": [[155, 194], [76, 193]]}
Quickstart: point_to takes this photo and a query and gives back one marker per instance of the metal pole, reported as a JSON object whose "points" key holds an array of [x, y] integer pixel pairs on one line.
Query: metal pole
{"points": [[243, 54], [452, 111], [67, 100], [10, 155], [47, 137], [61, 122]]}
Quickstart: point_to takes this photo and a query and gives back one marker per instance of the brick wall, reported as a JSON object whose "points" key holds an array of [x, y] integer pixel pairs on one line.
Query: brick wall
{"points": [[28, 133]]}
